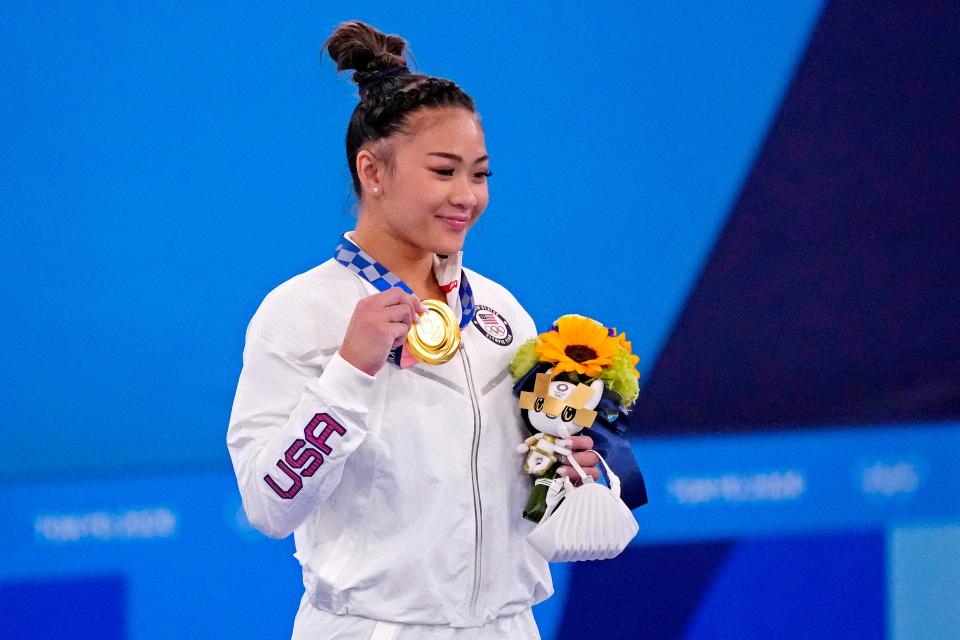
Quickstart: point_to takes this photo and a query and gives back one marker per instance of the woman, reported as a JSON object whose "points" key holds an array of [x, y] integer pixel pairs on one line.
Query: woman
{"points": [[400, 480]]}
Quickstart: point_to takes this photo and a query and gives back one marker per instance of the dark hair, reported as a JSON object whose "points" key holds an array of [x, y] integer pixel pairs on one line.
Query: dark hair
{"points": [[389, 91]]}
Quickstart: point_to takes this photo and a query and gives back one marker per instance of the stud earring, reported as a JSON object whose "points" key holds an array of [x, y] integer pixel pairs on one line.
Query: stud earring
{"points": [[376, 189]]}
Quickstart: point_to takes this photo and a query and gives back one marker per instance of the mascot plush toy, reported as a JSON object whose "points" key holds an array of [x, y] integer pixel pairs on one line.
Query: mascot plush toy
{"points": [[555, 409], [578, 375]]}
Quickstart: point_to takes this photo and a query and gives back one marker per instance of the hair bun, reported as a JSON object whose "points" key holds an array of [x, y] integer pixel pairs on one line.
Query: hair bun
{"points": [[362, 48]]}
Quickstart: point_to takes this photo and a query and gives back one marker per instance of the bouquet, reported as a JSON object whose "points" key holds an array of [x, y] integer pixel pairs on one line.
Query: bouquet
{"points": [[576, 375]]}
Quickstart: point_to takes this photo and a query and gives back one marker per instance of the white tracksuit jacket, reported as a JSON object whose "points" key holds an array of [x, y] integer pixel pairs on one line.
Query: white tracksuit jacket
{"points": [[404, 491]]}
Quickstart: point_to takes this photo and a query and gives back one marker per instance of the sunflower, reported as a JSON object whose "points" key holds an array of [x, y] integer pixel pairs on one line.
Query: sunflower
{"points": [[578, 344]]}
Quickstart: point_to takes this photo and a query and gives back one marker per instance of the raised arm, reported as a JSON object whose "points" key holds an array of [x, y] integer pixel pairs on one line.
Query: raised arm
{"points": [[291, 430]]}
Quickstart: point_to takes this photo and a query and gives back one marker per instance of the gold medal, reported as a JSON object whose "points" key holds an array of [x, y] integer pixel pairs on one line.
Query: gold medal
{"points": [[436, 336]]}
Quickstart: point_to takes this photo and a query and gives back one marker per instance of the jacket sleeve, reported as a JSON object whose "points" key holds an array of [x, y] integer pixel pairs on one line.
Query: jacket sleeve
{"points": [[291, 432]]}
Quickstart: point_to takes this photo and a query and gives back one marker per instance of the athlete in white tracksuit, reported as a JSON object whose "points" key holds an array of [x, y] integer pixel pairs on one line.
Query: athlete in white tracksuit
{"points": [[403, 490]]}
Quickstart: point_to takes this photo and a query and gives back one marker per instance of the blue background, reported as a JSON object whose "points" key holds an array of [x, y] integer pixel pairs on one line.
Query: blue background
{"points": [[164, 167]]}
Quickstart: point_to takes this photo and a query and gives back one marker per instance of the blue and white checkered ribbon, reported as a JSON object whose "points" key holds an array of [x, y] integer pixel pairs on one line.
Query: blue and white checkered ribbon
{"points": [[361, 263]]}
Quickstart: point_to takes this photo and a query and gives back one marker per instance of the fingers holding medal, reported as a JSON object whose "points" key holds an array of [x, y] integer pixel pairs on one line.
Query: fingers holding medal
{"points": [[380, 323], [386, 320]]}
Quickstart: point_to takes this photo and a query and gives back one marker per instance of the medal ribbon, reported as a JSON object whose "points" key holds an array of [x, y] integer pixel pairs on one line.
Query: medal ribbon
{"points": [[361, 263]]}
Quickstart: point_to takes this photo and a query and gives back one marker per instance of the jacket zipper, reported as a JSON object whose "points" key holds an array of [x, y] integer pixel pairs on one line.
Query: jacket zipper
{"points": [[474, 472]]}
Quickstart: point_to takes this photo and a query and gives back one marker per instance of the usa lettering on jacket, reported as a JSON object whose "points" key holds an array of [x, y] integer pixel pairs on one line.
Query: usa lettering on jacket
{"points": [[304, 458]]}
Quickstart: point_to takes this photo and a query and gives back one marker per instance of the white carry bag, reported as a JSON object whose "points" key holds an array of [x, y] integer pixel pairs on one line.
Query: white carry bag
{"points": [[589, 522]]}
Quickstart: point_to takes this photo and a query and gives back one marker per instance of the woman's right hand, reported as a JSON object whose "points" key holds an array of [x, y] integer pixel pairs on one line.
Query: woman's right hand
{"points": [[379, 324]]}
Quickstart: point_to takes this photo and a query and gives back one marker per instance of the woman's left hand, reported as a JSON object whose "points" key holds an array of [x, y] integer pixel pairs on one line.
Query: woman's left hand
{"points": [[581, 445]]}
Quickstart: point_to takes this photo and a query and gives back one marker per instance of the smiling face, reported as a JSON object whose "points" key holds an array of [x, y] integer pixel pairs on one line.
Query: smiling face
{"points": [[433, 186]]}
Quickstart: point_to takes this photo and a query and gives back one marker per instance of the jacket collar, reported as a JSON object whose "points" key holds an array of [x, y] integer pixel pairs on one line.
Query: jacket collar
{"points": [[448, 270]]}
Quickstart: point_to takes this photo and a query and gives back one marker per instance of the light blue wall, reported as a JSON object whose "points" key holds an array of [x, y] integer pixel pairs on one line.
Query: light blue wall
{"points": [[924, 581], [165, 165]]}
